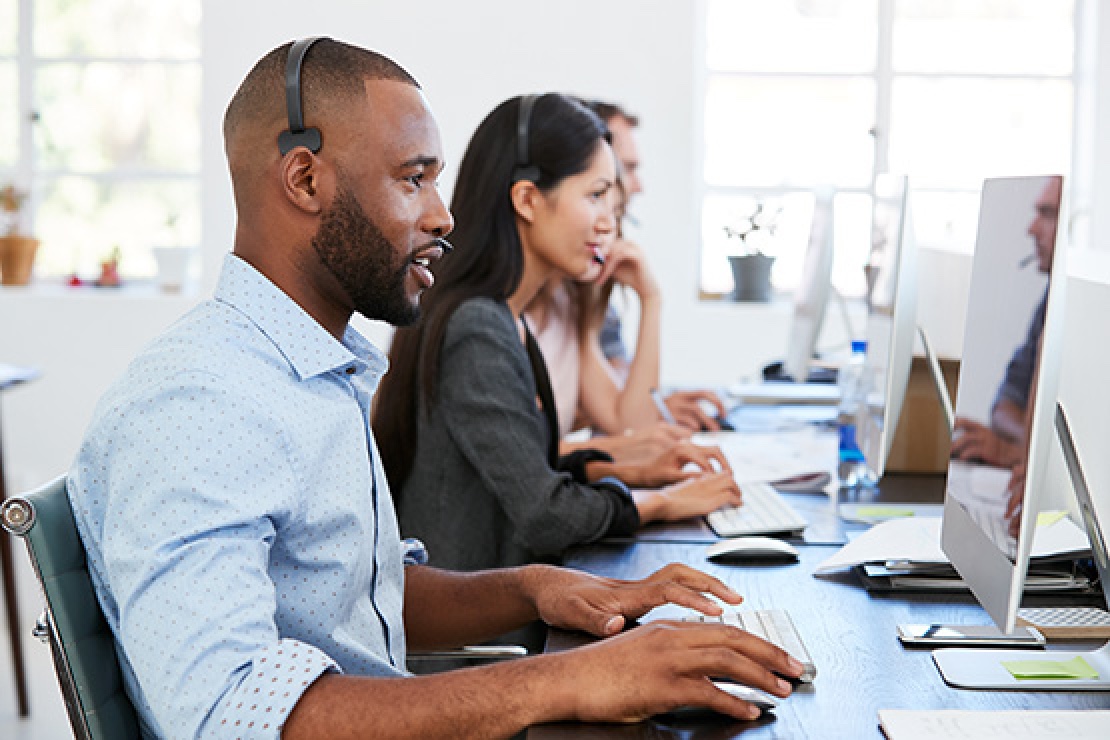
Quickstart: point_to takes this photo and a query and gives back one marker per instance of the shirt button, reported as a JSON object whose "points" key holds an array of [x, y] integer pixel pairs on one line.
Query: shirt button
{"points": [[351, 371]]}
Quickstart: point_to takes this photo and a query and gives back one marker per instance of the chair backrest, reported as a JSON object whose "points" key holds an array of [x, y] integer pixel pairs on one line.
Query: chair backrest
{"points": [[81, 643]]}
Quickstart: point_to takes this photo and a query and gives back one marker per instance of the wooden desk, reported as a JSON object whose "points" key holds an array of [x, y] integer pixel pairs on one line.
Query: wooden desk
{"points": [[861, 666]]}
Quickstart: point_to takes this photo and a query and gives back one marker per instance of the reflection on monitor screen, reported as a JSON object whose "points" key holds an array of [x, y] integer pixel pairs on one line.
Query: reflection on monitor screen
{"points": [[1007, 390], [891, 318], [812, 294]]}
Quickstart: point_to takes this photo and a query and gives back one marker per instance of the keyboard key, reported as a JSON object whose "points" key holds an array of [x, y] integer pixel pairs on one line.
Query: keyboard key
{"points": [[773, 625]]}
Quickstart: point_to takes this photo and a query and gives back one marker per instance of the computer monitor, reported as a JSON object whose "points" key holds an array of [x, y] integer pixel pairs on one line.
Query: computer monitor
{"points": [[812, 294], [1077, 411], [891, 318], [1013, 299]]}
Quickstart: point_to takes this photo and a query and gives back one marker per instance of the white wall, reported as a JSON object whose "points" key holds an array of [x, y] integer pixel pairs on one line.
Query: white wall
{"points": [[468, 56]]}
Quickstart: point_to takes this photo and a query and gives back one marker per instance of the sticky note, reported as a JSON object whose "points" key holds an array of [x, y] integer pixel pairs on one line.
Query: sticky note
{"points": [[1048, 518], [881, 512], [1042, 670]]}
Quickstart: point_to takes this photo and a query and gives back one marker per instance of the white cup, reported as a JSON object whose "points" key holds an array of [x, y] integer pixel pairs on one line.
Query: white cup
{"points": [[173, 267]]}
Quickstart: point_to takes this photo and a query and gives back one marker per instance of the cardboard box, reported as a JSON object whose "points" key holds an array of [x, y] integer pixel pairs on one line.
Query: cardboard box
{"points": [[921, 441]]}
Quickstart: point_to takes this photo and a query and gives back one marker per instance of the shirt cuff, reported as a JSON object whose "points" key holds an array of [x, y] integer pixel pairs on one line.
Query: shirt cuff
{"points": [[626, 518], [575, 462], [277, 678]]}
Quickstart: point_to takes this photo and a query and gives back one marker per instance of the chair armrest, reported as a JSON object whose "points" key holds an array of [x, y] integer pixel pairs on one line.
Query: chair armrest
{"points": [[473, 652]]}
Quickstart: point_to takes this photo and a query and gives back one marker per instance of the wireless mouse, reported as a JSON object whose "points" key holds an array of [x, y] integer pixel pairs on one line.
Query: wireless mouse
{"points": [[746, 549], [764, 701]]}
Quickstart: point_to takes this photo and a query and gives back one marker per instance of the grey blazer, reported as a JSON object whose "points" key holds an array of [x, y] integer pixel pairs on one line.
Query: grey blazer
{"points": [[482, 492]]}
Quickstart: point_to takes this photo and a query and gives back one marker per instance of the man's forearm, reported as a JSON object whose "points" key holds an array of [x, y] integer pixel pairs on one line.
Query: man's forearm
{"points": [[494, 701], [1008, 420], [480, 605]]}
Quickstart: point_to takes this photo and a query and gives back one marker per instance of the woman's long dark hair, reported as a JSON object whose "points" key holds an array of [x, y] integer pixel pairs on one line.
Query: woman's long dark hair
{"points": [[488, 260]]}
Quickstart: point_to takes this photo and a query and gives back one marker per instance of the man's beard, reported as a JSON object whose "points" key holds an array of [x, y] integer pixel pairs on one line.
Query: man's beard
{"points": [[356, 252]]}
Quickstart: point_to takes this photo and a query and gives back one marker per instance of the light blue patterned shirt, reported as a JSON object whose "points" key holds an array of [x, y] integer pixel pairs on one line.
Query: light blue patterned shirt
{"points": [[225, 492]]}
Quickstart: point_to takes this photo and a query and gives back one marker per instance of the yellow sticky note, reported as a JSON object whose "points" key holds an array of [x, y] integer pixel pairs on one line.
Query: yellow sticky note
{"points": [[1048, 518], [881, 512], [1046, 670]]}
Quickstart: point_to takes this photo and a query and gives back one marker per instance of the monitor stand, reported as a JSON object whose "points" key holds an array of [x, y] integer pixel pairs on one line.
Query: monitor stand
{"points": [[966, 668], [938, 381]]}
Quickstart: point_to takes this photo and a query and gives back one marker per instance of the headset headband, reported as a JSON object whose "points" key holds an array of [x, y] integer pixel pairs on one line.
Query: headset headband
{"points": [[524, 170], [297, 134]]}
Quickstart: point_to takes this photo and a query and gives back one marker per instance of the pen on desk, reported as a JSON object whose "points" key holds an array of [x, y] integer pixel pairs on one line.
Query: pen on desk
{"points": [[663, 410]]}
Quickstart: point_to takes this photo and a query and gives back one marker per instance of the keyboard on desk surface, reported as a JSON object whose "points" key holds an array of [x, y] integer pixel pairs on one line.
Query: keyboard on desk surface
{"points": [[773, 625], [763, 511]]}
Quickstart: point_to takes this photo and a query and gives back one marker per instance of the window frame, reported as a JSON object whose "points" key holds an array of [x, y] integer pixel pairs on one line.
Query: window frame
{"points": [[884, 77], [26, 173]]}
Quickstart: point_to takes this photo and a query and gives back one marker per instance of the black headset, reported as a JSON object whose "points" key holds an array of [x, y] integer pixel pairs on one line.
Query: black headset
{"points": [[524, 170], [297, 134]]}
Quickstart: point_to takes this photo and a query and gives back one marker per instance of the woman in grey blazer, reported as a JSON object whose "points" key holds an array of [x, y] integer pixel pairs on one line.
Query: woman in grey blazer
{"points": [[465, 420]]}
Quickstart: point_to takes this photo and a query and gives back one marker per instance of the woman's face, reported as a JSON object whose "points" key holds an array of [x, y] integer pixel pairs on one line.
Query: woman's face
{"points": [[574, 223]]}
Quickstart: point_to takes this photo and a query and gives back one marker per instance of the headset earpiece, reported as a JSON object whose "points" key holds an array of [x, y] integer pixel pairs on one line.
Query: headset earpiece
{"points": [[297, 134], [524, 170]]}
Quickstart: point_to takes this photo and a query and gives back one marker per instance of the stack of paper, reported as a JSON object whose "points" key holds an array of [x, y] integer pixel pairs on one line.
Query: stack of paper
{"points": [[777, 456], [906, 553]]}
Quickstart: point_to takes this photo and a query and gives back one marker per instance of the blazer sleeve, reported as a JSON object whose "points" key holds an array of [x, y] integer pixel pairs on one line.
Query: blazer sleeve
{"points": [[487, 397]]}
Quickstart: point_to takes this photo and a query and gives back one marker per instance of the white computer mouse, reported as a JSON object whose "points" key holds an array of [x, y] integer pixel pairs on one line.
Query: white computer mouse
{"points": [[742, 549], [764, 701], [759, 698]]}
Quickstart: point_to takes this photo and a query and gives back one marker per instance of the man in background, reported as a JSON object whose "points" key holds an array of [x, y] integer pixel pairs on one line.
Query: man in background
{"points": [[698, 410], [1003, 442]]}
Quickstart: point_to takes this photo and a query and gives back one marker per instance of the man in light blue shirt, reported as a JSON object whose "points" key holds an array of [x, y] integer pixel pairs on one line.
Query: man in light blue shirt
{"points": [[240, 533]]}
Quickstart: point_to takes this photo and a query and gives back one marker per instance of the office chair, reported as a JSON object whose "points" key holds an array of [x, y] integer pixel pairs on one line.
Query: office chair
{"points": [[81, 644]]}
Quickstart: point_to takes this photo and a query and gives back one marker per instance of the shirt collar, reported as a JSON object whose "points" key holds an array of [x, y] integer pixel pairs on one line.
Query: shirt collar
{"points": [[307, 346]]}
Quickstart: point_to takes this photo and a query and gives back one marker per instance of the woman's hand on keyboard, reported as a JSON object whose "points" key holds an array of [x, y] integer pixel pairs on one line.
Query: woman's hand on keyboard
{"points": [[574, 600], [664, 666], [682, 461], [691, 498]]}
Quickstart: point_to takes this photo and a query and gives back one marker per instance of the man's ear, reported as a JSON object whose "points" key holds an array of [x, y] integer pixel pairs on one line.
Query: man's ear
{"points": [[524, 195], [301, 180]]}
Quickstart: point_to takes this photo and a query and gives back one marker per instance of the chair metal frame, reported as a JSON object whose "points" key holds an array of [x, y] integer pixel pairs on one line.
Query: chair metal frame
{"points": [[91, 717]]}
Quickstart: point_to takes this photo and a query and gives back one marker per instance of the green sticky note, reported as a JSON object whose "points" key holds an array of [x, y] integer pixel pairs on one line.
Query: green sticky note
{"points": [[1048, 518], [1046, 670], [881, 512]]}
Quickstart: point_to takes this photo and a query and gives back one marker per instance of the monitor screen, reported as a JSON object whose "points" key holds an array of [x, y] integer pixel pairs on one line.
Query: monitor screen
{"points": [[812, 294], [1007, 389], [891, 318]]}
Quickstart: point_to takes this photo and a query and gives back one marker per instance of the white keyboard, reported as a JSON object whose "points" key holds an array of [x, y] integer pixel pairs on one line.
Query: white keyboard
{"points": [[1068, 621], [773, 625], [763, 511]]}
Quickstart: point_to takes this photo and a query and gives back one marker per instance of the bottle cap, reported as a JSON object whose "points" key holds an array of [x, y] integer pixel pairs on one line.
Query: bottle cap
{"points": [[859, 345]]}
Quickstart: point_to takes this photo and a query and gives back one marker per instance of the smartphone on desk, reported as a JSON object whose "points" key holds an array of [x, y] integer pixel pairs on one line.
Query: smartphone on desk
{"points": [[968, 635]]}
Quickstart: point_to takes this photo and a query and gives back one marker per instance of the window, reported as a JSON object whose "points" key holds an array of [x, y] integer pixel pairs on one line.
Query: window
{"points": [[805, 94], [103, 97]]}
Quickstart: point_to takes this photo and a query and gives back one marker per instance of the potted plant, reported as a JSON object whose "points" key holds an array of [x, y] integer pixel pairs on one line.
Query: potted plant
{"points": [[751, 266], [17, 250]]}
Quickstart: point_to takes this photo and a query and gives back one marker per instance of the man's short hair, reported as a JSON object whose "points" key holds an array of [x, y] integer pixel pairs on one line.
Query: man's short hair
{"points": [[332, 71], [607, 111]]}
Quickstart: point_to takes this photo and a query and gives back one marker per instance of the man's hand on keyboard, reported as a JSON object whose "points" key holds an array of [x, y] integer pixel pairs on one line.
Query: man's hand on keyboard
{"points": [[601, 606], [664, 666]]}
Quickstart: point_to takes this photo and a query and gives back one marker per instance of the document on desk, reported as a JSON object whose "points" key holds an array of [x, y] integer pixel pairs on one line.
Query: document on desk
{"points": [[1016, 724], [917, 540], [769, 457]]}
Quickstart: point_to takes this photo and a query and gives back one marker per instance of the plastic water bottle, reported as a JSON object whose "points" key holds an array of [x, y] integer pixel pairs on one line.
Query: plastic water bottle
{"points": [[851, 468]]}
